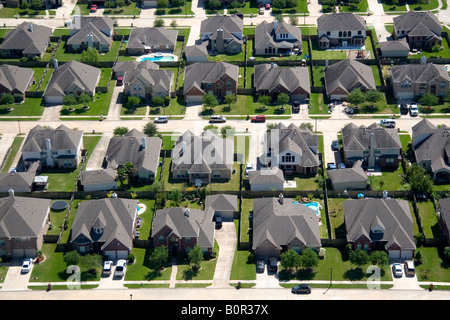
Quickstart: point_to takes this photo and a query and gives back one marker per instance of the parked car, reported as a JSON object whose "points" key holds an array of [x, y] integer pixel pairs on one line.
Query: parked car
{"points": [[107, 266], [260, 266], [331, 166], [404, 108], [162, 119], [248, 167], [335, 145], [261, 10], [273, 264], [94, 8], [218, 222], [397, 270], [342, 166], [120, 268], [409, 269], [267, 6], [413, 110], [301, 288], [296, 106], [389, 123], [217, 119], [119, 81], [26, 265], [259, 118]]}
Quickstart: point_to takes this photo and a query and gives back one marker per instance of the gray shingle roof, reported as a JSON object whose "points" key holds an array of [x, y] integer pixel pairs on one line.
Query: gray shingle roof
{"points": [[150, 78], [348, 175], [129, 148], [197, 74], [127, 66], [61, 138], [412, 19], [282, 223], [30, 42], [22, 217], [340, 21], [270, 76], [196, 51], [394, 45], [98, 176], [153, 37], [419, 73], [358, 138], [13, 78], [221, 202], [349, 74], [393, 216], [232, 24], [116, 217], [72, 74], [90, 29], [265, 34], [266, 176], [16, 179], [445, 210]]}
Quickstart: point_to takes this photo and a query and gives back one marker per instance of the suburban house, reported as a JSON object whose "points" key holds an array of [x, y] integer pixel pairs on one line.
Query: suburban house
{"points": [[422, 30], [217, 78], [71, 79], [376, 146], [353, 178], [266, 179], [292, 149], [23, 224], [94, 32], [280, 224], [380, 224], [60, 147], [180, 229], [222, 205], [414, 80], [344, 76], [105, 226], [147, 40], [15, 80], [122, 67], [224, 34], [202, 159], [137, 148], [27, 40], [196, 53], [99, 180], [270, 80], [148, 83], [394, 49], [277, 38], [341, 30], [17, 181], [444, 218], [431, 147]]}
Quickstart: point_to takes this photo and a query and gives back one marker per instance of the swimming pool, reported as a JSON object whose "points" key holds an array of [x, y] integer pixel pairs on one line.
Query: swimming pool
{"points": [[313, 205], [163, 57]]}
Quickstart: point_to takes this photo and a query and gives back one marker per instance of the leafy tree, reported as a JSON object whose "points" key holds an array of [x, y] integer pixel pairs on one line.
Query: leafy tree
{"points": [[84, 98], [158, 23], [279, 4], [150, 129], [90, 56], [306, 125], [121, 175], [356, 97], [91, 262], [162, 3], [429, 99], [24, 5], [214, 4], [7, 98], [72, 258], [158, 101], [130, 170], [374, 96], [195, 256], [227, 131], [132, 102], [160, 200], [309, 259], [379, 258], [160, 256], [166, 101], [178, 3], [293, 20], [36, 4], [359, 257], [211, 127], [264, 100], [290, 259], [120, 131], [436, 47], [418, 179], [283, 98], [174, 23], [230, 99], [120, 3], [175, 195], [210, 100], [69, 100]]}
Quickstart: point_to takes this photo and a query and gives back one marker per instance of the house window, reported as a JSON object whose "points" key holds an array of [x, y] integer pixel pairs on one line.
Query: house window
{"points": [[173, 239], [359, 32], [188, 239], [349, 34], [340, 34], [366, 247], [160, 238], [328, 33], [2, 242], [422, 86], [389, 161], [288, 158], [358, 246], [442, 84], [406, 84]]}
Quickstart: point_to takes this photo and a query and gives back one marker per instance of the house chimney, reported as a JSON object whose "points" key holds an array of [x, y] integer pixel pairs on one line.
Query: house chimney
{"points": [[144, 142], [280, 198], [90, 40], [48, 146], [275, 24], [144, 41], [186, 212], [30, 27], [371, 151], [385, 194], [11, 192], [55, 64]]}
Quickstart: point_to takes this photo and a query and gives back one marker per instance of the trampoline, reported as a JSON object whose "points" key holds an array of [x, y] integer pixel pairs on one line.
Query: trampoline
{"points": [[59, 205]]}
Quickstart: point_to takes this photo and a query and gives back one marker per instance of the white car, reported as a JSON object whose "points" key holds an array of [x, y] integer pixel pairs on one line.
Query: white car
{"points": [[413, 109], [120, 268], [248, 167], [397, 270], [26, 265], [161, 119], [107, 265]]}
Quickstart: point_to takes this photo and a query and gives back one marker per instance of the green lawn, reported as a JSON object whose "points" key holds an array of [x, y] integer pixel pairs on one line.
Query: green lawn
{"points": [[389, 180], [38, 73], [62, 55], [405, 139], [433, 268], [302, 7], [362, 6], [318, 103], [31, 107], [321, 54], [242, 268], [206, 272], [431, 5], [14, 149], [444, 53], [130, 10], [228, 185], [143, 269], [6, 12], [388, 7], [429, 218], [336, 214]]}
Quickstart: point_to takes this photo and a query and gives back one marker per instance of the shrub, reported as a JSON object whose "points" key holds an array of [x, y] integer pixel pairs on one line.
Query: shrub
{"points": [[130, 258]]}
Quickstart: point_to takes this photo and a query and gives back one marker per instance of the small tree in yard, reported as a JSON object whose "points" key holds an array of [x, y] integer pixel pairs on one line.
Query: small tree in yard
{"points": [[84, 98], [374, 96], [158, 23], [359, 257], [121, 175], [132, 102], [72, 258], [158, 101], [230, 99], [283, 98], [379, 258], [418, 179], [150, 129], [196, 256], [159, 256], [309, 259], [120, 131], [90, 56], [210, 100], [429, 99], [264, 100], [356, 97], [290, 260]]}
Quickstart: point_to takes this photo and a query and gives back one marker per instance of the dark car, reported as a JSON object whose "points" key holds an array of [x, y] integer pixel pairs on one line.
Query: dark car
{"points": [[404, 108], [301, 288], [296, 106], [218, 222], [260, 266], [273, 264], [335, 145]]}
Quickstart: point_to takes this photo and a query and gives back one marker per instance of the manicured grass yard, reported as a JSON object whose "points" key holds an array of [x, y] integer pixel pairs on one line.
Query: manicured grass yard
{"points": [[14, 149], [142, 268], [206, 272], [429, 218], [320, 54], [444, 53], [63, 55], [433, 267], [318, 104], [336, 214], [30, 107]]}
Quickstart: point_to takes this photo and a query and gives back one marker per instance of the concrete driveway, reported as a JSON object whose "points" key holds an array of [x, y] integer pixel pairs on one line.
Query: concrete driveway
{"points": [[227, 240], [267, 279], [15, 280], [405, 282], [98, 154]]}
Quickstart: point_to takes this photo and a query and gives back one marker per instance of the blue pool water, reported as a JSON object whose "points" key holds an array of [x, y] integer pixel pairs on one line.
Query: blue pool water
{"points": [[312, 205], [158, 58]]}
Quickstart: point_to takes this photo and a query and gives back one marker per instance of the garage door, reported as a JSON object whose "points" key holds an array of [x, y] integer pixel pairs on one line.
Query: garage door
{"points": [[28, 253], [53, 100], [407, 254], [394, 254], [194, 99], [149, 4], [116, 255], [111, 255], [405, 95]]}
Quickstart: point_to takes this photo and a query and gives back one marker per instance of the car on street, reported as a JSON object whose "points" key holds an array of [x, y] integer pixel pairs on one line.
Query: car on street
{"points": [[248, 168], [94, 8], [331, 166], [217, 119], [397, 270], [273, 264], [120, 268], [341, 165], [335, 145], [413, 110], [301, 288], [26, 265], [161, 119], [260, 266], [107, 266], [259, 118], [388, 123]]}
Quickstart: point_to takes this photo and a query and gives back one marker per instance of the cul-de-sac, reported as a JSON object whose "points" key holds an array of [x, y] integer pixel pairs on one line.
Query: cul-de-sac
{"points": [[218, 149]]}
